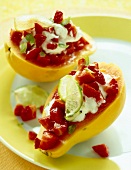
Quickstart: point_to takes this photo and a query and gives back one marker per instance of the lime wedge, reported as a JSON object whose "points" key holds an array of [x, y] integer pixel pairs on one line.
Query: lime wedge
{"points": [[70, 92], [31, 95], [27, 21]]}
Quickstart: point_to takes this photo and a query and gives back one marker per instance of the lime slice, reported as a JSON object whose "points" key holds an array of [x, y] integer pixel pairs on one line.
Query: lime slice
{"points": [[31, 95], [27, 21], [70, 92], [62, 86]]}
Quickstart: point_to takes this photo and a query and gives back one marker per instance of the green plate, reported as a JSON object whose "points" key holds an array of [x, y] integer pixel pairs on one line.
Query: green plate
{"points": [[113, 39]]}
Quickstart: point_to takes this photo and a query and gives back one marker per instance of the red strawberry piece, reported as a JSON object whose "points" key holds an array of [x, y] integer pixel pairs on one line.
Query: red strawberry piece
{"points": [[58, 17], [56, 40], [32, 54], [39, 39], [51, 46], [46, 122], [93, 67], [112, 90], [38, 28], [94, 85], [101, 150], [49, 140], [37, 143], [16, 37], [60, 104], [32, 135], [100, 78], [18, 109], [60, 129], [85, 77], [91, 92], [28, 113], [57, 114]]}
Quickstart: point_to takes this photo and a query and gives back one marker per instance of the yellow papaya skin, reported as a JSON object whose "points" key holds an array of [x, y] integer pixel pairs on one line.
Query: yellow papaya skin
{"points": [[43, 74], [97, 124]]}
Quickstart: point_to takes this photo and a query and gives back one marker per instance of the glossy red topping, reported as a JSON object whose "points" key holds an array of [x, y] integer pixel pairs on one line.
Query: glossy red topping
{"points": [[58, 17], [56, 126], [25, 112], [101, 150], [32, 135], [48, 141], [16, 37], [34, 38]]}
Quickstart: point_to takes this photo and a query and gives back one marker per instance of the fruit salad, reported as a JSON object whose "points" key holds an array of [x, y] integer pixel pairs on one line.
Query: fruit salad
{"points": [[80, 99], [55, 44]]}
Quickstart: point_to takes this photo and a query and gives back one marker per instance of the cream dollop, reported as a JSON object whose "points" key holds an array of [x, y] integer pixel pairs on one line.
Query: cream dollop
{"points": [[63, 38]]}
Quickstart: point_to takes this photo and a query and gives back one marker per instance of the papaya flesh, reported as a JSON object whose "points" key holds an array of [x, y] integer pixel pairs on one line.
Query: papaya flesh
{"points": [[91, 127]]}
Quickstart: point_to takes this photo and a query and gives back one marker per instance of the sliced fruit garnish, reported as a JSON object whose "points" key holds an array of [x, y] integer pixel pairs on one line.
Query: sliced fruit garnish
{"points": [[70, 92], [62, 87], [31, 95]]}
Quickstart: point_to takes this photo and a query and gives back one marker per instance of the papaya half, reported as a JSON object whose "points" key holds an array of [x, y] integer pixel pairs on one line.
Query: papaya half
{"points": [[37, 54], [93, 123]]}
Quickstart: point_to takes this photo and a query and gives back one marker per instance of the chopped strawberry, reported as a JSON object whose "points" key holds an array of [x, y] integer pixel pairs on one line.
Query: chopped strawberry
{"points": [[85, 78], [46, 122], [91, 92], [28, 113], [51, 46], [57, 114], [18, 109], [60, 104], [58, 17], [113, 89], [49, 140], [57, 111], [38, 28], [16, 37], [39, 39], [99, 77], [94, 85], [101, 150], [32, 135], [94, 66], [60, 129], [37, 143], [33, 53]]}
